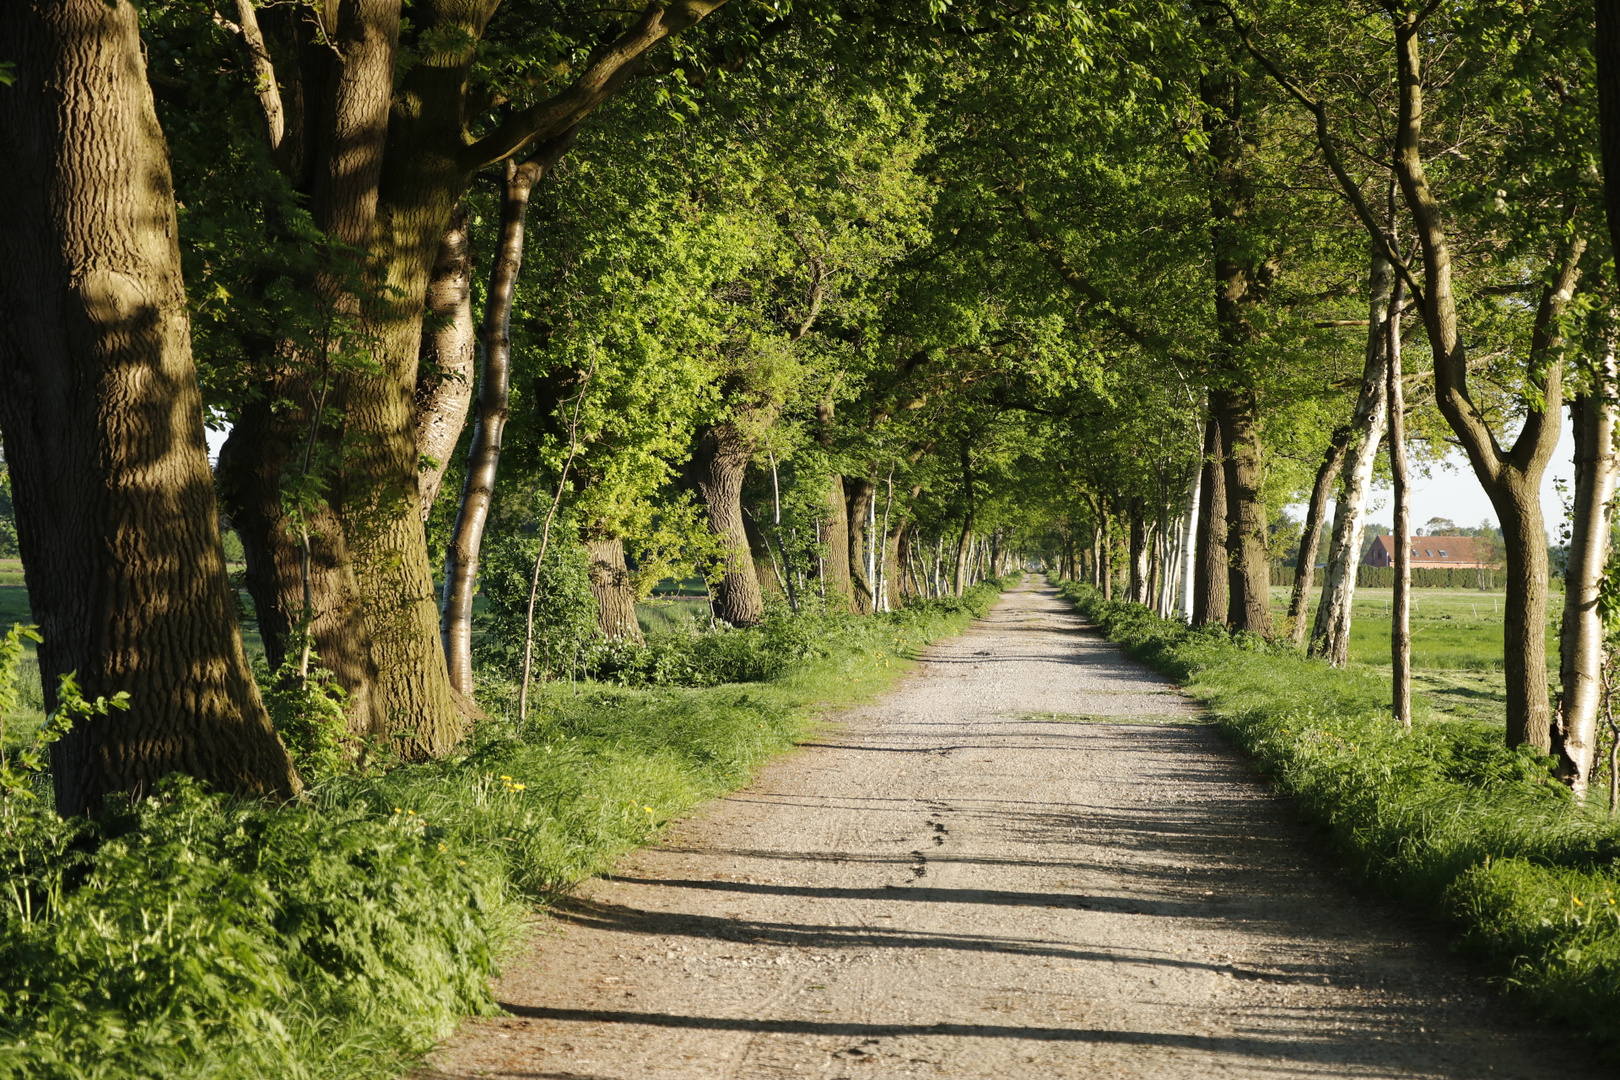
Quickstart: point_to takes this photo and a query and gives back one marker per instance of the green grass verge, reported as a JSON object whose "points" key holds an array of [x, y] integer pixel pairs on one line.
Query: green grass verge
{"points": [[1443, 815], [194, 936]]}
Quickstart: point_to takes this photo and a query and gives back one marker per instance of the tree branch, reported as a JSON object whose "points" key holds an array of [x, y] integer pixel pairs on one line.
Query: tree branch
{"points": [[607, 69], [1324, 139], [251, 39]]}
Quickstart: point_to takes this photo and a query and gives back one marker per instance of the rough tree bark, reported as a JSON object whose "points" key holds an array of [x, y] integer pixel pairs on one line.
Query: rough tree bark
{"points": [[611, 586], [102, 421], [1330, 635], [1240, 283], [383, 163], [444, 374], [858, 494], [715, 473], [835, 575], [1511, 478], [1209, 572]]}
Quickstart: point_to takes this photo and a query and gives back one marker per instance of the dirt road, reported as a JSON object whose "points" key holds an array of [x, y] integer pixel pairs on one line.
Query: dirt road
{"points": [[1028, 860]]}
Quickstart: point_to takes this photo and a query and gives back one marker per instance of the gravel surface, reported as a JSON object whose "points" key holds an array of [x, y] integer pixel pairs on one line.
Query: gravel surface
{"points": [[1027, 860]]}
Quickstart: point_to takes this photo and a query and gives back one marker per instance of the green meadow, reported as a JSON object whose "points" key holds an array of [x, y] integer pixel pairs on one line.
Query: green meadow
{"points": [[1456, 643]]}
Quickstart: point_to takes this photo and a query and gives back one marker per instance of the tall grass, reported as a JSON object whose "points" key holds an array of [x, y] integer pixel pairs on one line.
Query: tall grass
{"points": [[195, 936], [1444, 815]]}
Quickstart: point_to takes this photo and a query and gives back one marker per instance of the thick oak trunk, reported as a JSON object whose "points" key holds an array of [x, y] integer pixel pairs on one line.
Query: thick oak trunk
{"points": [[612, 588], [858, 495], [1209, 569], [715, 473], [1239, 278], [102, 420], [1247, 551], [444, 374], [836, 582], [383, 158], [1330, 634]]}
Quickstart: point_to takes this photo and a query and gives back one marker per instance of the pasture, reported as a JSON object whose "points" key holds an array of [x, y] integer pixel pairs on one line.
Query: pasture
{"points": [[1456, 643]]}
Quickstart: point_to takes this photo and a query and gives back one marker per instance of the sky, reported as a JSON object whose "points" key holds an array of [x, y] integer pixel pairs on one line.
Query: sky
{"points": [[1451, 491]]}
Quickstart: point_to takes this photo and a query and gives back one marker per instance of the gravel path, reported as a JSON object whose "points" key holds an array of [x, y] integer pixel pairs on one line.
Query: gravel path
{"points": [[1027, 860]]}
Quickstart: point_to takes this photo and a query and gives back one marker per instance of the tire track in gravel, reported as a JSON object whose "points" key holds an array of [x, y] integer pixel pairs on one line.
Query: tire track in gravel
{"points": [[1029, 859]]}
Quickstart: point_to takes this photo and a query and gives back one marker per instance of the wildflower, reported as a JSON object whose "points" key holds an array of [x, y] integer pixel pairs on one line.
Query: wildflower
{"points": [[650, 810], [1577, 900], [443, 848]]}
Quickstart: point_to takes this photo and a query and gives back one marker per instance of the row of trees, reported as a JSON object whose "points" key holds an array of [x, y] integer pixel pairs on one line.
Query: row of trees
{"points": [[841, 303]]}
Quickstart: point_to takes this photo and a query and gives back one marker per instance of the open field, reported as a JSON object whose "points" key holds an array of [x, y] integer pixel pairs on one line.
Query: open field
{"points": [[1456, 644]]}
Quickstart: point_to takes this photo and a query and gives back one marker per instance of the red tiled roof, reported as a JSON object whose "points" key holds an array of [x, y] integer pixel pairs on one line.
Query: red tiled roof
{"points": [[1436, 550]]}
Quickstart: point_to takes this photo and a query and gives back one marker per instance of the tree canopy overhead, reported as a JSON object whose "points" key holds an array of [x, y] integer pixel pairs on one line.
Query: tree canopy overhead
{"points": [[822, 303]]}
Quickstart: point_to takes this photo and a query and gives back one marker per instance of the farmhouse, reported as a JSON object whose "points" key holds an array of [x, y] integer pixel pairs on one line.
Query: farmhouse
{"points": [[1458, 551]]}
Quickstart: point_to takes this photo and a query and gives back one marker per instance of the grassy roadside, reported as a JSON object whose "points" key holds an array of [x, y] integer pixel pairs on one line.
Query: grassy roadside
{"points": [[1443, 815], [195, 936]]}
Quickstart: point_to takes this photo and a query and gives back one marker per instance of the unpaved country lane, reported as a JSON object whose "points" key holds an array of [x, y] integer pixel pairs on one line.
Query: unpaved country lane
{"points": [[1027, 860]]}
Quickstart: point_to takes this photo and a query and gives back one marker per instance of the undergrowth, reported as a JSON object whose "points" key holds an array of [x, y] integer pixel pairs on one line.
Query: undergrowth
{"points": [[1443, 815], [196, 936]]}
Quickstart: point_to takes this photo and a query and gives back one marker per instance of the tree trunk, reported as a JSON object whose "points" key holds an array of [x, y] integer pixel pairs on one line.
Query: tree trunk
{"points": [[1210, 574], [383, 162], [1511, 478], [1311, 537], [766, 567], [1105, 551], [858, 493], [1581, 652], [964, 547], [1239, 286], [444, 374], [1400, 629], [719, 461], [611, 586], [1330, 635], [1247, 551], [494, 401], [1136, 516], [1188, 556], [102, 421], [835, 575], [894, 579]]}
